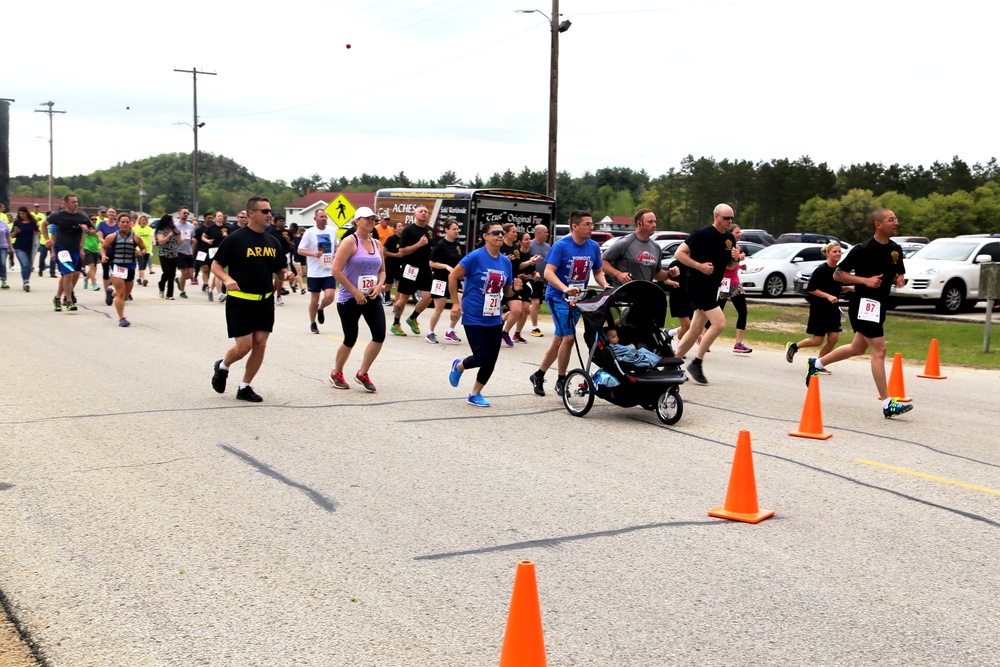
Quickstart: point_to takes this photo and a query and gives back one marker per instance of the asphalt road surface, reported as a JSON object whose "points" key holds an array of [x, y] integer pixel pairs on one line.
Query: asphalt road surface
{"points": [[148, 520]]}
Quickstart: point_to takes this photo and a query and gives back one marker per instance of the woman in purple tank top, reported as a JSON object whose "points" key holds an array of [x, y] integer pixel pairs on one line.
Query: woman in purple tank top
{"points": [[360, 272]]}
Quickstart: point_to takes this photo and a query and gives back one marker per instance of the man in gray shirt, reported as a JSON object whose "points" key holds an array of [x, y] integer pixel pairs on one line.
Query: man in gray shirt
{"points": [[636, 256], [539, 246], [185, 254]]}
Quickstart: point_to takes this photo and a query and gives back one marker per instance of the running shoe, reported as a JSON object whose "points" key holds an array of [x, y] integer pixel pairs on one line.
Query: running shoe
{"points": [[55, 304], [313, 328], [694, 370], [812, 370], [669, 336], [95, 287], [283, 291], [414, 327], [321, 316], [222, 297], [27, 287], [248, 394], [560, 384], [536, 332], [537, 383], [194, 281], [123, 322], [219, 378], [161, 294], [337, 380], [478, 401], [128, 298], [109, 296], [280, 301], [431, 338], [896, 408], [86, 283], [506, 339], [790, 350], [365, 381], [396, 330], [211, 295], [455, 375], [452, 336], [518, 338], [145, 283], [72, 306], [740, 348], [183, 295], [823, 371], [303, 290]]}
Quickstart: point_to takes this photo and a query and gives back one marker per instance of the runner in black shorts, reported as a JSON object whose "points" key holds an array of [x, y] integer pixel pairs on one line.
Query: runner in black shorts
{"points": [[246, 263], [877, 265], [415, 270], [824, 307]]}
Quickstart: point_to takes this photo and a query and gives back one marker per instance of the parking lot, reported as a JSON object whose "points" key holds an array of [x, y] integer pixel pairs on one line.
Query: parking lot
{"points": [[151, 521]]}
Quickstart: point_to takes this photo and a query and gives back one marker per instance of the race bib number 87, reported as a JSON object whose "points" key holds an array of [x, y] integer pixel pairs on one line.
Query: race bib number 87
{"points": [[869, 310]]}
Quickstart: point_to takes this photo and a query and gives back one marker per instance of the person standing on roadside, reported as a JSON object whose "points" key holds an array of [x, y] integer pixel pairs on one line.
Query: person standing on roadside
{"points": [[66, 245], [706, 253], [317, 246], [569, 264], [872, 267], [415, 276], [247, 262], [488, 278]]}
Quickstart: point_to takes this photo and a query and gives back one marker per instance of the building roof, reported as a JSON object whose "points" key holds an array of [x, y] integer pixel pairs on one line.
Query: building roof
{"points": [[357, 199]]}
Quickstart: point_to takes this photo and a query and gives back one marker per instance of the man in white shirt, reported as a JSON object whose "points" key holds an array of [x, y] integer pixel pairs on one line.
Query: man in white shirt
{"points": [[318, 246]]}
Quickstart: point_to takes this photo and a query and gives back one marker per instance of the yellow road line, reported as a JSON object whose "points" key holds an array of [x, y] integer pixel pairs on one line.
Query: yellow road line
{"points": [[943, 480]]}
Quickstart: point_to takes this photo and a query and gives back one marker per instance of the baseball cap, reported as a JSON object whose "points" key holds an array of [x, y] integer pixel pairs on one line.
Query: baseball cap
{"points": [[384, 214], [364, 212]]}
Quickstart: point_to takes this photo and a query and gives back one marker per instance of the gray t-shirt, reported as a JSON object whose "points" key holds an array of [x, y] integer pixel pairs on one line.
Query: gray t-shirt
{"points": [[640, 259], [185, 231], [541, 249]]}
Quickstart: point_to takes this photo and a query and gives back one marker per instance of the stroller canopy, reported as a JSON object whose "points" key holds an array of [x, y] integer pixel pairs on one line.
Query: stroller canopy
{"points": [[645, 302]]}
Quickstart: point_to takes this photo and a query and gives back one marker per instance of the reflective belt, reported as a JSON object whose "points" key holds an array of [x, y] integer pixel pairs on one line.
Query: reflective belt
{"points": [[248, 297]]}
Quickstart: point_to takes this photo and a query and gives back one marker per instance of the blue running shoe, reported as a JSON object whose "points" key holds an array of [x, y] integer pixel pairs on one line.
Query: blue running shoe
{"points": [[478, 401], [895, 408], [812, 370], [109, 296], [455, 375]]}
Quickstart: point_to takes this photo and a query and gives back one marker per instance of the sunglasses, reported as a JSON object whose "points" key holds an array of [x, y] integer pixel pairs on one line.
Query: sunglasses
{"points": [[265, 211], [726, 217], [495, 232]]}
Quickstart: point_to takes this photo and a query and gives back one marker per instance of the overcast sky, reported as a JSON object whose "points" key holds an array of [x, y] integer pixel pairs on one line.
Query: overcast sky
{"points": [[433, 85]]}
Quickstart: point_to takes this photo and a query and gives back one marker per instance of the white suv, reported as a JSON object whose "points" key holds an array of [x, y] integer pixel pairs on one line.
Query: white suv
{"points": [[947, 271]]}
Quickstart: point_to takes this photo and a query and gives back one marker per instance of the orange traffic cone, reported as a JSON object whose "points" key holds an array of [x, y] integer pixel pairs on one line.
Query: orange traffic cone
{"points": [[932, 369], [523, 644], [811, 424], [896, 388], [741, 498]]}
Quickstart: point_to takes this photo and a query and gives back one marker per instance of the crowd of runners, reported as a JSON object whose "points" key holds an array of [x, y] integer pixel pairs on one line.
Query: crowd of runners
{"points": [[496, 290]]}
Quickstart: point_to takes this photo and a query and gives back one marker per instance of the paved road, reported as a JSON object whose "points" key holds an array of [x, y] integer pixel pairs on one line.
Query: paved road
{"points": [[149, 521]]}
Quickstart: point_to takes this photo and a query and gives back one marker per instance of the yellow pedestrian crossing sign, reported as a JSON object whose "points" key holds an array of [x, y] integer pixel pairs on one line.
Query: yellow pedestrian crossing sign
{"points": [[341, 213]]}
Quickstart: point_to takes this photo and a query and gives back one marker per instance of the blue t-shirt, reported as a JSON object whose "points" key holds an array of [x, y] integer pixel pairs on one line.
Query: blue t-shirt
{"points": [[484, 275], [573, 263]]}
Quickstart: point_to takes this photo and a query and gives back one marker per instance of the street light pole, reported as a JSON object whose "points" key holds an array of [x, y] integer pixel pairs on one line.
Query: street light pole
{"points": [[555, 27], [194, 72], [49, 111]]}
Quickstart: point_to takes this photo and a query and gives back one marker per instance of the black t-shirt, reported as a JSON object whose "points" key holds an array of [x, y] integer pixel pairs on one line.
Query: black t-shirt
{"points": [[216, 233], [872, 258], [282, 236], [25, 235], [411, 235], [391, 245], [201, 246], [446, 252], [69, 235], [708, 244], [822, 280], [251, 259]]}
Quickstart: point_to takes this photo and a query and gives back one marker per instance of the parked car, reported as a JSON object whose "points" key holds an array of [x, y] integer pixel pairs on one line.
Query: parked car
{"points": [[946, 271], [750, 248], [670, 247], [807, 237], [757, 236], [665, 235], [922, 240], [772, 271]]}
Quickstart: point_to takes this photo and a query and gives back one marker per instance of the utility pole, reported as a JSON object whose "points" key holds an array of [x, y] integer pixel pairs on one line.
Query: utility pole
{"points": [[194, 72], [49, 111], [5, 150]]}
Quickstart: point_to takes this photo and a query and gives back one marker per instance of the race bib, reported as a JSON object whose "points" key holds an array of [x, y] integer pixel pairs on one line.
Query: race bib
{"points": [[64, 257], [579, 286], [200, 256], [327, 260], [869, 310], [410, 272], [119, 271], [724, 288], [491, 304], [437, 288], [366, 283], [211, 252], [185, 235]]}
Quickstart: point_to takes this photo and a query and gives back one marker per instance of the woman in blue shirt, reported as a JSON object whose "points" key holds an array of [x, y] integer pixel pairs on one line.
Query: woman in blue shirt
{"points": [[489, 277]]}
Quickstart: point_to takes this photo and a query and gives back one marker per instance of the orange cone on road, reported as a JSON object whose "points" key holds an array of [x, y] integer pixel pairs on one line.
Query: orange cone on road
{"points": [[811, 424], [523, 644], [741, 498], [896, 388], [932, 369]]}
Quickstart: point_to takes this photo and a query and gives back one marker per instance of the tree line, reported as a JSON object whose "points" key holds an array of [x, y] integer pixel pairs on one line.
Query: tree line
{"points": [[780, 195]]}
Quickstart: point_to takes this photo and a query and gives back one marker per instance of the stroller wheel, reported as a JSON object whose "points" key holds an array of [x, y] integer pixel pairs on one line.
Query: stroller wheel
{"points": [[670, 407], [578, 393]]}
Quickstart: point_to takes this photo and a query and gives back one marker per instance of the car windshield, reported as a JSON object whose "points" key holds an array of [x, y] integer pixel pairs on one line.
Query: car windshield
{"points": [[776, 252], [955, 252]]}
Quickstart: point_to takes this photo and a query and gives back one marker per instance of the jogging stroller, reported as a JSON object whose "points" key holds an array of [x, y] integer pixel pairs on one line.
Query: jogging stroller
{"points": [[637, 311]]}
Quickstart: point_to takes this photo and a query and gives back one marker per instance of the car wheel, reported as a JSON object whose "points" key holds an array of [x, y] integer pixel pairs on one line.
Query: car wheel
{"points": [[774, 286], [952, 298]]}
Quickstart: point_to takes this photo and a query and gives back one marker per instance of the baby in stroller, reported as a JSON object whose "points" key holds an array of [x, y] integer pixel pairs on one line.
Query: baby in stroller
{"points": [[629, 353]]}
